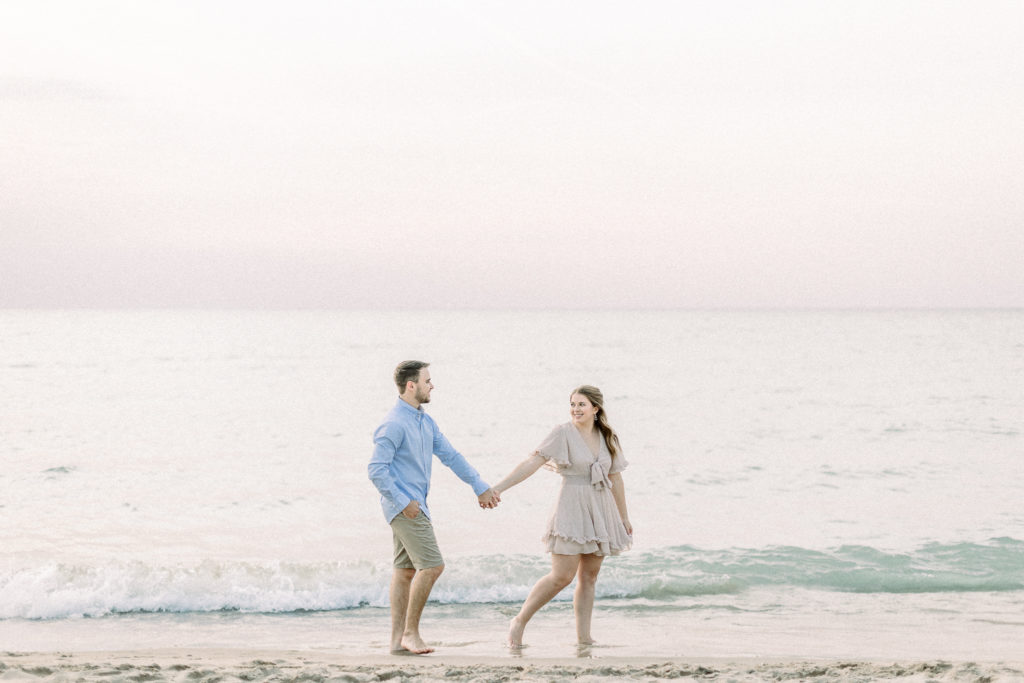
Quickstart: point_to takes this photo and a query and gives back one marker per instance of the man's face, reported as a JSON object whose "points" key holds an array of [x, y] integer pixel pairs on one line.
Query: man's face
{"points": [[424, 386]]}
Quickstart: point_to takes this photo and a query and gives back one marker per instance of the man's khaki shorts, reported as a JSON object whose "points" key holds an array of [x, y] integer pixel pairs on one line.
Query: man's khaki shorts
{"points": [[415, 543]]}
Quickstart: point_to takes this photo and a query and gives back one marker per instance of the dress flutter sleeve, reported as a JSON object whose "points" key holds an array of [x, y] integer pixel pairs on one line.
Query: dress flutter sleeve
{"points": [[555, 447], [619, 462]]}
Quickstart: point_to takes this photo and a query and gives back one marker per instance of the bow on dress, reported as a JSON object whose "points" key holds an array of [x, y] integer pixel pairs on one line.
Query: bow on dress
{"points": [[599, 476]]}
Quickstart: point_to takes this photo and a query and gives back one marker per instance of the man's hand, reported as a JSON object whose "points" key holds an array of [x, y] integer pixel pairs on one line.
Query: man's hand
{"points": [[412, 510], [489, 499]]}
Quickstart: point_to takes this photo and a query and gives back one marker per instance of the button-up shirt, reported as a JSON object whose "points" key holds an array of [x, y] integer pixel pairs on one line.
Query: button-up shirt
{"points": [[403, 450]]}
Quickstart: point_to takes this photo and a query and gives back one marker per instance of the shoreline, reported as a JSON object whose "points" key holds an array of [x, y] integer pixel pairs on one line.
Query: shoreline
{"points": [[227, 664]]}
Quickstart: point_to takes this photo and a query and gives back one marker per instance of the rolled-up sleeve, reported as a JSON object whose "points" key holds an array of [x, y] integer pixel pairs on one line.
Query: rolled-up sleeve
{"points": [[385, 445], [454, 461]]}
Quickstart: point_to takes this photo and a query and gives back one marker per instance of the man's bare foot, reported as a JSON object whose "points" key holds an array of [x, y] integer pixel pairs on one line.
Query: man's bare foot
{"points": [[415, 645], [515, 633]]}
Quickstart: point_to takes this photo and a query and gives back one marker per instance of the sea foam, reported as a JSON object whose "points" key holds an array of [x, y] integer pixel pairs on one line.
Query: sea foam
{"points": [[668, 577]]}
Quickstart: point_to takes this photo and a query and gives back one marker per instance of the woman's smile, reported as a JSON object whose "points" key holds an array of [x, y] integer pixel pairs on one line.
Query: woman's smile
{"points": [[582, 410]]}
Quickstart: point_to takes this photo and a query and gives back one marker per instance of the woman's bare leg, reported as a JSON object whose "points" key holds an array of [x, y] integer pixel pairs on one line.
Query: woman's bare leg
{"points": [[563, 569], [583, 598]]}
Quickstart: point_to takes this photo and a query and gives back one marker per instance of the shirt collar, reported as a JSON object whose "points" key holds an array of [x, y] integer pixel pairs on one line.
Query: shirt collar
{"points": [[402, 405]]}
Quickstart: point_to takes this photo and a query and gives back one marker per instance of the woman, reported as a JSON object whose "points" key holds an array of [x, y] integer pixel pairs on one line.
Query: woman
{"points": [[589, 520]]}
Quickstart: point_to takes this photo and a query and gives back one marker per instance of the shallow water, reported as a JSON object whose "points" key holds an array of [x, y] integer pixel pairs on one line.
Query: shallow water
{"points": [[799, 481]]}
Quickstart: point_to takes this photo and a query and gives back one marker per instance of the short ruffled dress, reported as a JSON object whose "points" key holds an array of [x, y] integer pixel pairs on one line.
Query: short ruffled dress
{"points": [[585, 519]]}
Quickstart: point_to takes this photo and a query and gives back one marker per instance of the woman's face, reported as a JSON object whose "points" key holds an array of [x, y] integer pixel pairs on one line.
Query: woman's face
{"points": [[582, 410]]}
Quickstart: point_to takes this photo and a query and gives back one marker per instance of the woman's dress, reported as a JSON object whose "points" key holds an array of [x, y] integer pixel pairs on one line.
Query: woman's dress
{"points": [[585, 519]]}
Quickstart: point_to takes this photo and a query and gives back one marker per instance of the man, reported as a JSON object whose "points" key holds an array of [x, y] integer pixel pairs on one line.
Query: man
{"points": [[404, 446]]}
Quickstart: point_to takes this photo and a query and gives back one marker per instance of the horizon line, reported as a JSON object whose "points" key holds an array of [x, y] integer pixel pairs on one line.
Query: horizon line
{"points": [[509, 309]]}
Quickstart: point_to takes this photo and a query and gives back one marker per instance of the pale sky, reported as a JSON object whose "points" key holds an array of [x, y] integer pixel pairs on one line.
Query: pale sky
{"points": [[515, 154]]}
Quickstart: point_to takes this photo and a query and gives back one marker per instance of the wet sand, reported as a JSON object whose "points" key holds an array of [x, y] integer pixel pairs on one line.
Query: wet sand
{"points": [[193, 665]]}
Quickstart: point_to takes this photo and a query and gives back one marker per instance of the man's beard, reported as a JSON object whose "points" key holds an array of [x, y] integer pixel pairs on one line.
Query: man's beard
{"points": [[423, 397]]}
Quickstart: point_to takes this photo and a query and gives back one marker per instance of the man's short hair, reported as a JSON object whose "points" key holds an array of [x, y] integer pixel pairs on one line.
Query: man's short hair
{"points": [[408, 371]]}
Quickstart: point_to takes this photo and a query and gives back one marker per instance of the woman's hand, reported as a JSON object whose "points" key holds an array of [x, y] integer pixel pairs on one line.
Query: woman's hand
{"points": [[489, 498], [629, 527]]}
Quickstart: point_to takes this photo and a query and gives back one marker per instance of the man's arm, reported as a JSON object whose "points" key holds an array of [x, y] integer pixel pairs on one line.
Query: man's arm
{"points": [[385, 447], [454, 461]]}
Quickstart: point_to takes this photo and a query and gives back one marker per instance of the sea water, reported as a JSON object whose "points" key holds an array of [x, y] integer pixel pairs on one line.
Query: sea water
{"points": [[801, 483]]}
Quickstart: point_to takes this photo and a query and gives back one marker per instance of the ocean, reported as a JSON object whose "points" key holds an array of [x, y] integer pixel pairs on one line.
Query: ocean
{"points": [[801, 483]]}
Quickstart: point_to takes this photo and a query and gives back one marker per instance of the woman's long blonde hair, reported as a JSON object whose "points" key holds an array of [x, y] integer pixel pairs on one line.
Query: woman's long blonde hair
{"points": [[596, 398]]}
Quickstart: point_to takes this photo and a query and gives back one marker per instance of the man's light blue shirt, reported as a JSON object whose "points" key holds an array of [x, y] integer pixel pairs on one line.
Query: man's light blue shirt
{"points": [[403, 450]]}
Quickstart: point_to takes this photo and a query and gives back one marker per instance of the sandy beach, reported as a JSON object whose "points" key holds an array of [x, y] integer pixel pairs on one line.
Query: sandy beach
{"points": [[191, 665]]}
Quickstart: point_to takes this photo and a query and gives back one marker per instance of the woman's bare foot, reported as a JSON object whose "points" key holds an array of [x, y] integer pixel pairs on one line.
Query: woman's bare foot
{"points": [[415, 645], [515, 632]]}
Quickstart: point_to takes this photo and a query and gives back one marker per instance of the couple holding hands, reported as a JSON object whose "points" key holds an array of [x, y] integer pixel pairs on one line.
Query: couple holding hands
{"points": [[589, 520]]}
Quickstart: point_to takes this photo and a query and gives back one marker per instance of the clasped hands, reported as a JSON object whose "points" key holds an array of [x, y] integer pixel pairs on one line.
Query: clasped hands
{"points": [[489, 499]]}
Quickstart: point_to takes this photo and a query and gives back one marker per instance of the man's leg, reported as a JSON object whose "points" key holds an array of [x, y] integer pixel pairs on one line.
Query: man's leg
{"points": [[401, 580], [415, 546], [422, 584]]}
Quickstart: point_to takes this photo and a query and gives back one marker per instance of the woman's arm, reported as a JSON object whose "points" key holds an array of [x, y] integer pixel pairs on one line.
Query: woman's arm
{"points": [[522, 471], [619, 493]]}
